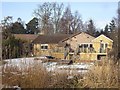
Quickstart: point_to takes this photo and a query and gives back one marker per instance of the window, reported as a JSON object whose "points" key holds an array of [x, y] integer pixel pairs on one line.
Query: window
{"points": [[91, 45], [85, 45], [101, 40], [80, 46], [44, 46], [101, 45], [106, 45]]}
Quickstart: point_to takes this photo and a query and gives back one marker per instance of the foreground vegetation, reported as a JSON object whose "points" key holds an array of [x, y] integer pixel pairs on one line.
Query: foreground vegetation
{"points": [[102, 76], [2, 62], [36, 76]]}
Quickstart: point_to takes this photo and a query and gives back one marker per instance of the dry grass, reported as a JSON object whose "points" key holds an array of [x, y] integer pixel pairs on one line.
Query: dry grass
{"points": [[34, 76], [104, 75]]}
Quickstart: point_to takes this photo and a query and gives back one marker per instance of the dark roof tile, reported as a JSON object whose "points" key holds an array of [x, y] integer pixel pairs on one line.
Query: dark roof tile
{"points": [[27, 37], [47, 39]]}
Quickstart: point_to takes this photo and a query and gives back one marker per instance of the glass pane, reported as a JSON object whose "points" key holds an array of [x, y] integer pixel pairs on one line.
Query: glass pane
{"points": [[91, 45], [46, 47], [42, 47], [101, 45], [106, 45]]}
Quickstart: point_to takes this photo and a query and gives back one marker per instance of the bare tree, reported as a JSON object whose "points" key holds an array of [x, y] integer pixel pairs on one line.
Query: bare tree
{"points": [[77, 24], [43, 13], [66, 21], [53, 19], [56, 16]]}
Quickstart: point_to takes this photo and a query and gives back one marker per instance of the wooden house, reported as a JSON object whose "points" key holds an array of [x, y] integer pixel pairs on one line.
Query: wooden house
{"points": [[49, 45], [88, 47], [82, 45]]}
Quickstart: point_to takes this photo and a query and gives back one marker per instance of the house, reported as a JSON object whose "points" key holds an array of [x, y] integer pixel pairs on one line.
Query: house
{"points": [[80, 45], [49, 45], [80, 38], [102, 46], [88, 47]]}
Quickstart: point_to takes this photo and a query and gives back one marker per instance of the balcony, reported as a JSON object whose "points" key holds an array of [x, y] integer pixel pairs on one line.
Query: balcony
{"points": [[87, 50]]}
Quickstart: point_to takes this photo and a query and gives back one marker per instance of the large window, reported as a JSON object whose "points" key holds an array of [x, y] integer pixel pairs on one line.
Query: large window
{"points": [[106, 45], [44, 46], [86, 48], [103, 47], [91, 45]]}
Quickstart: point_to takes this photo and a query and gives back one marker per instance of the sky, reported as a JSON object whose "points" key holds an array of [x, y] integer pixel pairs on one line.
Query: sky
{"points": [[100, 12]]}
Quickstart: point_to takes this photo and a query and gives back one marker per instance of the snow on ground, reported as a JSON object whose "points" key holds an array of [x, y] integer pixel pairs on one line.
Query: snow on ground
{"points": [[71, 70], [50, 66], [21, 63], [74, 67]]}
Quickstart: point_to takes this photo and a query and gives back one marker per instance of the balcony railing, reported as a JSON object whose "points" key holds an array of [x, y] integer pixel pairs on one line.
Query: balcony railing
{"points": [[82, 50], [87, 50], [57, 50]]}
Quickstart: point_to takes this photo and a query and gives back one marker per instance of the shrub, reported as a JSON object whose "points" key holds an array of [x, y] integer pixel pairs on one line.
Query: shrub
{"points": [[34, 76], [102, 76]]}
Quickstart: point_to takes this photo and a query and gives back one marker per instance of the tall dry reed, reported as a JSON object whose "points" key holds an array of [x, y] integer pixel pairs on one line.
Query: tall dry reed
{"points": [[103, 75]]}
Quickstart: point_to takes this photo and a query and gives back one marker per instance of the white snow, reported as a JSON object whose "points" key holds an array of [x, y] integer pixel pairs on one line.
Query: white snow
{"points": [[50, 66]]}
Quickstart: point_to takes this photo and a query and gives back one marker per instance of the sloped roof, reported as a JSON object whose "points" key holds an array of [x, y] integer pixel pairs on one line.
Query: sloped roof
{"points": [[84, 37], [27, 37], [70, 36], [47, 39], [102, 35]]}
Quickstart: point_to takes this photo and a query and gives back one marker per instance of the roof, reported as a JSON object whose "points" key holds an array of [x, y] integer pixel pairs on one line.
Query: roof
{"points": [[102, 35], [71, 36], [47, 39], [27, 37], [84, 37]]}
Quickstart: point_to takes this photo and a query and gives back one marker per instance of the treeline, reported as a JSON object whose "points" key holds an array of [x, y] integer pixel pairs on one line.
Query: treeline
{"points": [[52, 18], [12, 47]]}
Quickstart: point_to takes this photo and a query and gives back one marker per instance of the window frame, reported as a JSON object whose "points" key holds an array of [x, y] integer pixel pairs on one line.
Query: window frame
{"points": [[44, 46]]}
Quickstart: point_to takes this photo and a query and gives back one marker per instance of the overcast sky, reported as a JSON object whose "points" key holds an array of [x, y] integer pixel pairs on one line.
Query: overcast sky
{"points": [[100, 12]]}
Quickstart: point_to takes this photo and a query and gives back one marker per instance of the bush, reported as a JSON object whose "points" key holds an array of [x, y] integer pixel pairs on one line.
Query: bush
{"points": [[102, 76], [34, 76]]}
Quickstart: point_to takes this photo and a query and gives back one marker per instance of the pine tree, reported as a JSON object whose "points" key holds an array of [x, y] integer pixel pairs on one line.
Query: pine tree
{"points": [[91, 28], [112, 25], [106, 30], [32, 26]]}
